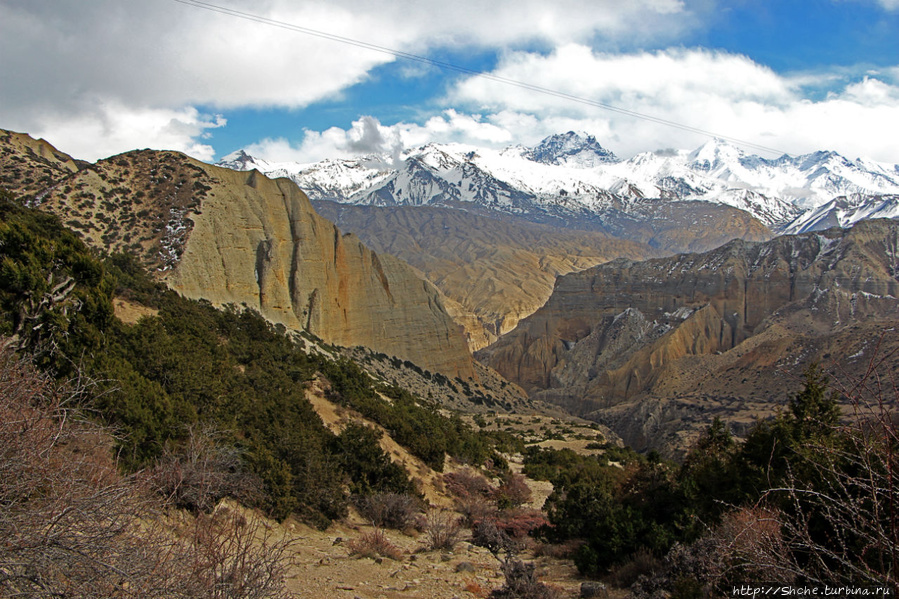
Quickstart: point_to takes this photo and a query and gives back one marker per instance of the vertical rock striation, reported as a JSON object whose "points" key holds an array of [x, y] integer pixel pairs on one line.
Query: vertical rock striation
{"points": [[258, 242]]}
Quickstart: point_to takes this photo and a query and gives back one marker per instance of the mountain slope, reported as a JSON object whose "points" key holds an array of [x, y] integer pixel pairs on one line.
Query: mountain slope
{"points": [[493, 271], [657, 348], [28, 166], [241, 238]]}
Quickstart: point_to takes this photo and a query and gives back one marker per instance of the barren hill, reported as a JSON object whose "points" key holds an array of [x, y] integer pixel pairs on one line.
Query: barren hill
{"points": [[241, 238], [654, 349], [494, 271]]}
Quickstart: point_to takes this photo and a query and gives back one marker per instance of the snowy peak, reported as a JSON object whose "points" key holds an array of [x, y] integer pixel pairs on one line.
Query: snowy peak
{"points": [[715, 156], [241, 161], [845, 211], [571, 176], [572, 149]]}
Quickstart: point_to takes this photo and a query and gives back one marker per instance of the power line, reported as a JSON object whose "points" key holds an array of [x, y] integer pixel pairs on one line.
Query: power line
{"points": [[473, 72]]}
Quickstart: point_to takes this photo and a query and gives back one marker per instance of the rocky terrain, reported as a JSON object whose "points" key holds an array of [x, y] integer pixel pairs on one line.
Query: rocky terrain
{"points": [[30, 165], [655, 349], [492, 271], [241, 238]]}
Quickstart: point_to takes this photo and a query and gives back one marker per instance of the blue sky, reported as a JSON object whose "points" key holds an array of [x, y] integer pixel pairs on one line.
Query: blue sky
{"points": [[98, 77]]}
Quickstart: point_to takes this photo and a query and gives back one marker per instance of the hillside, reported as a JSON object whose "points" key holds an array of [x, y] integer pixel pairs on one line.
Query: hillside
{"points": [[494, 271], [237, 238], [655, 349]]}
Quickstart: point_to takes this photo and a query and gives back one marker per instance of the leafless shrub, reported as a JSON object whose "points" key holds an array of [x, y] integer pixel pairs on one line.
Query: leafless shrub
{"points": [[513, 493], [232, 555], [389, 510], [476, 509], [487, 534], [441, 529], [204, 471], [468, 483], [374, 544], [845, 526], [565, 550], [71, 526], [521, 582], [473, 493]]}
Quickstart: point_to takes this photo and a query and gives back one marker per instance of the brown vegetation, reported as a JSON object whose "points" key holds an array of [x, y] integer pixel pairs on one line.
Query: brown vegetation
{"points": [[73, 527]]}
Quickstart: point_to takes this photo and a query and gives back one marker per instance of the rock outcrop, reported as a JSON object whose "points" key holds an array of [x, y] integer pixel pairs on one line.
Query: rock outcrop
{"points": [[492, 270], [701, 329], [260, 242], [240, 238], [29, 166]]}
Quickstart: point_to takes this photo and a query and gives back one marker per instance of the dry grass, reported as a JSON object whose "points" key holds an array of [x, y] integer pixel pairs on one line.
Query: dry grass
{"points": [[374, 544]]}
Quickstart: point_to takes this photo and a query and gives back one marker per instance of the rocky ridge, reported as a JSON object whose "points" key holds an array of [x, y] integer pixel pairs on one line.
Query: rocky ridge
{"points": [[654, 349], [241, 238], [492, 272]]}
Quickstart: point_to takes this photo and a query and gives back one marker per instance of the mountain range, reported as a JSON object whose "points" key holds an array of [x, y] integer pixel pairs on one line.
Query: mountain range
{"points": [[654, 349], [571, 180], [650, 318]]}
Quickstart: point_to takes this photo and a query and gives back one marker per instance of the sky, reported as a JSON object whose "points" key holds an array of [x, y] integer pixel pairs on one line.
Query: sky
{"points": [[100, 77]]}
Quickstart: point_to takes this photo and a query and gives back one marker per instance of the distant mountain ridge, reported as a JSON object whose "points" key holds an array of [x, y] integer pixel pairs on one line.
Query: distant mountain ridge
{"points": [[572, 180], [656, 349]]}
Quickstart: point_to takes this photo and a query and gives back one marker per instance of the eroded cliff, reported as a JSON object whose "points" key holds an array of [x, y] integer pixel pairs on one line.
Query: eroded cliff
{"points": [[241, 238], [670, 341]]}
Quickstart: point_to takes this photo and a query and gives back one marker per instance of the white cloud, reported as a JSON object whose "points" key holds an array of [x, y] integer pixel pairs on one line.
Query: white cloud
{"points": [[368, 136], [61, 60], [114, 128], [714, 91]]}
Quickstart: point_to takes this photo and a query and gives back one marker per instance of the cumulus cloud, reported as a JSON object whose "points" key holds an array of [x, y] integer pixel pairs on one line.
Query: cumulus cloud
{"points": [[62, 61], [105, 76], [368, 136], [114, 128], [715, 91]]}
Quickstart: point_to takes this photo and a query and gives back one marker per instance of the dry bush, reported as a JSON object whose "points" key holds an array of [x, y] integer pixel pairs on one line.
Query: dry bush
{"points": [[203, 471], [565, 550], [507, 531], [521, 582], [855, 499], [441, 529], [476, 509], [513, 493], [487, 534], [389, 510], [235, 555], [70, 526], [473, 493], [66, 517], [374, 544], [464, 484]]}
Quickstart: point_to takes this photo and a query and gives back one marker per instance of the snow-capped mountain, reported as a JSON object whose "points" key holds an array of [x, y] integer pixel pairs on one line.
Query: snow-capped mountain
{"points": [[845, 211], [571, 177], [571, 149]]}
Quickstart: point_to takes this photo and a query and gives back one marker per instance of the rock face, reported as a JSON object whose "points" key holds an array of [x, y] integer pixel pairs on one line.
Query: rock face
{"points": [[492, 271], [240, 238], [670, 341], [260, 242]]}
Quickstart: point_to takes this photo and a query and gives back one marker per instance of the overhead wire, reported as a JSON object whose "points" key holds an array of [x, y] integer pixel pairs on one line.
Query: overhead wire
{"points": [[473, 72]]}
